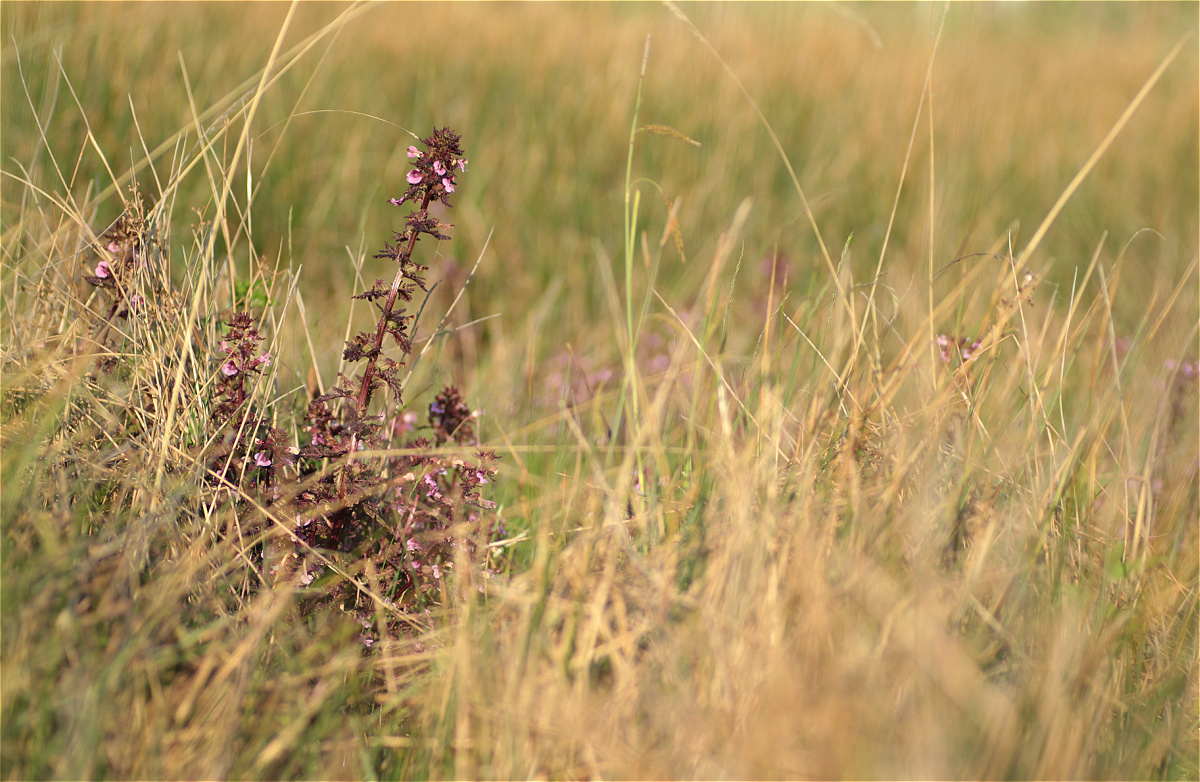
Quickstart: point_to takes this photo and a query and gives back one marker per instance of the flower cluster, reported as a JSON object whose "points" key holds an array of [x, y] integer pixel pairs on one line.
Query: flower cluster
{"points": [[434, 168], [413, 514], [432, 180], [399, 491], [120, 255], [1188, 370], [957, 348], [239, 349], [247, 448]]}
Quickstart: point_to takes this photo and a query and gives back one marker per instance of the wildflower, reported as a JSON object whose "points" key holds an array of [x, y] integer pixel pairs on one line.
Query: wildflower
{"points": [[113, 247], [1187, 370], [229, 369], [448, 183], [414, 177], [965, 347], [462, 164], [439, 168], [263, 360], [262, 459], [405, 423], [102, 270], [414, 152]]}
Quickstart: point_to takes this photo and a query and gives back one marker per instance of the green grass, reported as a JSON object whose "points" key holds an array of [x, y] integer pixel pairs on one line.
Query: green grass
{"points": [[760, 528]]}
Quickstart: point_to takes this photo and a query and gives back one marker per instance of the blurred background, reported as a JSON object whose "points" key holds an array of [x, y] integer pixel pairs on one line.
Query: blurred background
{"points": [[543, 95]]}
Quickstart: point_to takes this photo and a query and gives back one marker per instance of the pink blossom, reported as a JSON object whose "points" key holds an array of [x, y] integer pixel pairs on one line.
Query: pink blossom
{"points": [[262, 459], [225, 346], [414, 177], [113, 247], [448, 183], [404, 423], [438, 168], [943, 342], [412, 545], [414, 152], [462, 164], [102, 269], [229, 369], [263, 360]]}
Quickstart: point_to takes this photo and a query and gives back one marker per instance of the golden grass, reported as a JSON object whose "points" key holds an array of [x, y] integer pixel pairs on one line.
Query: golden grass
{"points": [[769, 533]]}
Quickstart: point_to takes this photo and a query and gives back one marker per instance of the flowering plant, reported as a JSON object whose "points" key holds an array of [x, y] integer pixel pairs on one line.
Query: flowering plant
{"points": [[417, 511]]}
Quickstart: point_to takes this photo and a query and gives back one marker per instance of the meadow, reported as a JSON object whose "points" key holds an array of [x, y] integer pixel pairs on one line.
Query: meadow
{"points": [[839, 363]]}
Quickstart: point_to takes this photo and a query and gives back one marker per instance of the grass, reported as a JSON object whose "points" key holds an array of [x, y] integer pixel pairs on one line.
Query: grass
{"points": [[760, 521]]}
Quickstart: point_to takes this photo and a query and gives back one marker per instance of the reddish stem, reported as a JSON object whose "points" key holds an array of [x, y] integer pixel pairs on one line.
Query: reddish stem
{"points": [[364, 389]]}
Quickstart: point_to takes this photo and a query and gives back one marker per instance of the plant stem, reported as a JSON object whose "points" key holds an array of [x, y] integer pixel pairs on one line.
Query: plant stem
{"points": [[364, 388]]}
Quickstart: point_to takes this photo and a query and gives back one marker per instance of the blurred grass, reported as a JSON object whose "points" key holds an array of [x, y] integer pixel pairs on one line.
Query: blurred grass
{"points": [[783, 578]]}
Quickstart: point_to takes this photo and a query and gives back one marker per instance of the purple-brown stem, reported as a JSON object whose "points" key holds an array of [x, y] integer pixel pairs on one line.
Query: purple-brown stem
{"points": [[364, 389]]}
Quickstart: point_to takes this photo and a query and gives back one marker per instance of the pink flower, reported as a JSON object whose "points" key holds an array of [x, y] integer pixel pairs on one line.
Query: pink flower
{"points": [[404, 423], [225, 346], [412, 545], [438, 168], [414, 152], [102, 269], [261, 459], [229, 369], [414, 177], [448, 183], [263, 360], [113, 247], [462, 164]]}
